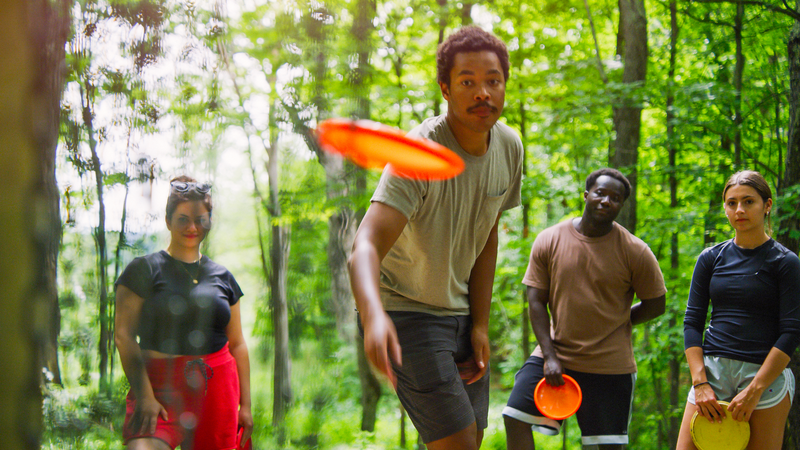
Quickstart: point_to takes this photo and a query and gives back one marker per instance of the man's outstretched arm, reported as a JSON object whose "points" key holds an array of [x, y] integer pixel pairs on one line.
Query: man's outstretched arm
{"points": [[377, 233]]}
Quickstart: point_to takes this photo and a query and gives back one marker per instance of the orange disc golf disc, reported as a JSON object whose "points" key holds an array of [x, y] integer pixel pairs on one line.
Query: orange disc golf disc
{"points": [[373, 145], [558, 402]]}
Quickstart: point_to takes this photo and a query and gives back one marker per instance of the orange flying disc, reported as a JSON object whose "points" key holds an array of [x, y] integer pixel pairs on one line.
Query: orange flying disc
{"points": [[726, 435], [558, 402], [373, 145]]}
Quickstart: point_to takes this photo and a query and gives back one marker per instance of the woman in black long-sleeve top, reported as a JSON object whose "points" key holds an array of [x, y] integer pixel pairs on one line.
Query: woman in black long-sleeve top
{"points": [[753, 285]]}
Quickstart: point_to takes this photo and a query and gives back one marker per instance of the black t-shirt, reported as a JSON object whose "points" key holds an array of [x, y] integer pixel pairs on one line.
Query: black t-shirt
{"points": [[178, 316], [755, 301]]}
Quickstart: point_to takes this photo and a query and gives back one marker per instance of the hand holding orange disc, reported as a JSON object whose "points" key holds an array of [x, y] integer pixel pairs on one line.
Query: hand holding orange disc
{"points": [[558, 402]]}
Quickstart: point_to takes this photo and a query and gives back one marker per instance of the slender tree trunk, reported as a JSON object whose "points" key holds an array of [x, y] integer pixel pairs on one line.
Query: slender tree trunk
{"points": [[282, 389], [791, 179], [773, 59], [402, 427], [362, 33], [525, 321], [443, 19], [673, 421], [738, 73], [370, 388], [658, 392], [279, 256], [466, 13], [598, 58], [50, 31], [342, 226], [121, 243], [99, 235], [627, 112]]}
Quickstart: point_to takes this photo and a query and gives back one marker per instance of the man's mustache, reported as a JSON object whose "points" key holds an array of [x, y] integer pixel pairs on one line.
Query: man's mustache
{"points": [[481, 105]]}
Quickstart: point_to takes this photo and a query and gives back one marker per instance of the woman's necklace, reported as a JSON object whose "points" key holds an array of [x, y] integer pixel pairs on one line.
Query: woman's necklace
{"points": [[195, 278]]}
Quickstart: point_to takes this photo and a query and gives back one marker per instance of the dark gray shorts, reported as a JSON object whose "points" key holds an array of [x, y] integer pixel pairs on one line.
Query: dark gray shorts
{"points": [[438, 402]]}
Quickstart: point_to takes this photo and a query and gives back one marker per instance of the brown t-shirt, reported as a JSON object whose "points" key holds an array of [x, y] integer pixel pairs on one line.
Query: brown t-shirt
{"points": [[591, 281]]}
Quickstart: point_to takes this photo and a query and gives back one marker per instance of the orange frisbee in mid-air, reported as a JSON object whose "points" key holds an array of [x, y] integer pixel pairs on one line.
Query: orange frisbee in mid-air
{"points": [[373, 145], [558, 402]]}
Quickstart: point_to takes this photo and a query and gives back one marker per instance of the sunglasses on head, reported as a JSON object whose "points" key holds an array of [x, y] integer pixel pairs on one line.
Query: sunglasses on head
{"points": [[183, 187]]}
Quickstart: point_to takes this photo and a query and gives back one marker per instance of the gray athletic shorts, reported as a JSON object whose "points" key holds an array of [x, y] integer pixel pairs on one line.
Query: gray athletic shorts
{"points": [[437, 400], [728, 377]]}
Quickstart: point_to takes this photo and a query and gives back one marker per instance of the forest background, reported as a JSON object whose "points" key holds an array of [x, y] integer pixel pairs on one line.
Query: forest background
{"points": [[106, 100]]}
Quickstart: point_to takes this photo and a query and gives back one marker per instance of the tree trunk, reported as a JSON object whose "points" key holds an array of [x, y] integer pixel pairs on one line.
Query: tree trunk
{"points": [[791, 179], [673, 421], [370, 388], [466, 13], [627, 112], [341, 232], [738, 73], [362, 33], [50, 33], [525, 321], [26, 253], [341, 224], [282, 389], [279, 257], [444, 19], [788, 234], [99, 239], [121, 242]]}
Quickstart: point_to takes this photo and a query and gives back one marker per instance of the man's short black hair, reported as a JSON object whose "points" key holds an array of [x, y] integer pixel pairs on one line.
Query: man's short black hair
{"points": [[613, 173], [468, 39]]}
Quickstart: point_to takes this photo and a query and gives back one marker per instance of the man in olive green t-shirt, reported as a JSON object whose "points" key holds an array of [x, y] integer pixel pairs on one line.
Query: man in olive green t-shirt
{"points": [[424, 256], [586, 271]]}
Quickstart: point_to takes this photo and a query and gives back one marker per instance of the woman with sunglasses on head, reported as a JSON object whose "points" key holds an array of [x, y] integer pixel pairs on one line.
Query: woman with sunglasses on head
{"points": [[753, 285], [179, 336]]}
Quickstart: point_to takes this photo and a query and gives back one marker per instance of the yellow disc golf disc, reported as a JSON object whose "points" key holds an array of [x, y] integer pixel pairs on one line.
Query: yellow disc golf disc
{"points": [[726, 435]]}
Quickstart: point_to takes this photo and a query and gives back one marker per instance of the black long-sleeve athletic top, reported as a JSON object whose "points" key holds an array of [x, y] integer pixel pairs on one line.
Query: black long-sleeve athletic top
{"points": [[755, 301]]}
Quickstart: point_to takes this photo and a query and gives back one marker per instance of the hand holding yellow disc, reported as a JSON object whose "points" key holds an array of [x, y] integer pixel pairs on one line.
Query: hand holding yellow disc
{"points": [[726, 435]]}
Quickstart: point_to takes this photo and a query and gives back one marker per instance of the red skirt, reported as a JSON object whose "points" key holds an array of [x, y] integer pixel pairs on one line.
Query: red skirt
{"points": [[201, 396]]}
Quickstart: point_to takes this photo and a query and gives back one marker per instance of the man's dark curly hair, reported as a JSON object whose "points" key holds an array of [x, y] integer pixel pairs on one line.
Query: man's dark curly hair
{"points": [[613, 173], [467, 40]]}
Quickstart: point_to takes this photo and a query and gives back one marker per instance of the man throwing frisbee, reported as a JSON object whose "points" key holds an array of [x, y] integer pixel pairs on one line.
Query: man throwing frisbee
{"points": [[423, 260], [586, 270]]}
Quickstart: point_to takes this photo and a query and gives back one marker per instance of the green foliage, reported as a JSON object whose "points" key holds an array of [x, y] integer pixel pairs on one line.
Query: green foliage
{"points": [[82, 418], [191, 90]]}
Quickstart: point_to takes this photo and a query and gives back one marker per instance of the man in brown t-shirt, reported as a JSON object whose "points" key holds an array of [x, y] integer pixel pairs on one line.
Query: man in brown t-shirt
{"points": [[586, 270]]}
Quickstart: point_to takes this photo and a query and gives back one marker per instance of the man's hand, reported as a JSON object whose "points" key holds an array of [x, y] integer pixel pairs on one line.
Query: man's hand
{"points": [[381, 345], [473, 369], [553, 371]]}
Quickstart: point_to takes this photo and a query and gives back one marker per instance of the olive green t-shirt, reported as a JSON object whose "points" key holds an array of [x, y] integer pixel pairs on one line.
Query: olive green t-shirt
{"points": [[592, 281], [427, 270]]}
